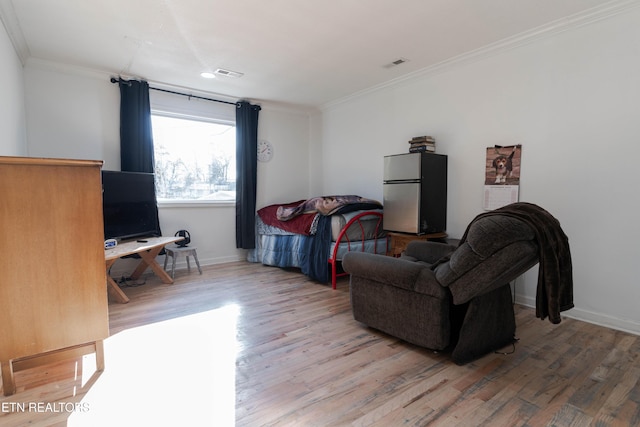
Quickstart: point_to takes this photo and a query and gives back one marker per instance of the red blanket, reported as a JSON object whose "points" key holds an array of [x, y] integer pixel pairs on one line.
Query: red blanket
{"points": [[298, 217], [301, 224]]}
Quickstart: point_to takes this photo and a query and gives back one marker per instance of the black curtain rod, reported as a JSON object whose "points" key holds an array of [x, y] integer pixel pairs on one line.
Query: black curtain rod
{"points": [[193, 96], [120, 80]]}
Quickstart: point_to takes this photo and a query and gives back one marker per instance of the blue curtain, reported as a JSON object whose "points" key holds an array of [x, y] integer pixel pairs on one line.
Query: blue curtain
{"points": [[136, 137], [246, 176]]}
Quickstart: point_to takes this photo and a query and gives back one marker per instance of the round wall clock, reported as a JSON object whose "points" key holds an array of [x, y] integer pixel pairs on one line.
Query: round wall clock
{"points": [[265, 150]]}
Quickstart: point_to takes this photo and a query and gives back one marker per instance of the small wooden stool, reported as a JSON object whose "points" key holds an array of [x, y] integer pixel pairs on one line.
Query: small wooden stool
{"points": [[176, 251]]}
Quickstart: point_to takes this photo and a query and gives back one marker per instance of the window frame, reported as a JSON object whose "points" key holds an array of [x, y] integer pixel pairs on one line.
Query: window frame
{"points": [[181, 203]]}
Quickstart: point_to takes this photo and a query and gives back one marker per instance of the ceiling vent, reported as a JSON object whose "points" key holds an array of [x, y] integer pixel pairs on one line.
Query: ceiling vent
{"points": [[228, 73], [396, 63]]}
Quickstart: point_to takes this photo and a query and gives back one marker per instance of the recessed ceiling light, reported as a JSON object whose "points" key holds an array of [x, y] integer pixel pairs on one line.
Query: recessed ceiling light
{"points": [[208, 75]]}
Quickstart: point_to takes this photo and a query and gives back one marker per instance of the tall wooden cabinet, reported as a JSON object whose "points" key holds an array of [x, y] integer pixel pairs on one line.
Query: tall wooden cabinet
{"points": [[53, 298]]}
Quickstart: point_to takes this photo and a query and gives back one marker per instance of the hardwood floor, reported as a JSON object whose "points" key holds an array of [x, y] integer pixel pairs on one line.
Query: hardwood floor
{"points": [[249, 345]]}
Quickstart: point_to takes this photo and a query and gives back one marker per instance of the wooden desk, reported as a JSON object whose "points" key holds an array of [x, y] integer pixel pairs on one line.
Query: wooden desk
{"points": [[399, 241], [148, 251]]}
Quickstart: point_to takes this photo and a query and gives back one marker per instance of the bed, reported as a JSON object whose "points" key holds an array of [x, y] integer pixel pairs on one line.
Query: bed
{"points": [[314, 234]]}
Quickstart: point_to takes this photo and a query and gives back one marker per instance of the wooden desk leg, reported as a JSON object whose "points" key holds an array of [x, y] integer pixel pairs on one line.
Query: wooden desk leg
{"points": [[99, 355], [149, 260], [113, 287], [8, 380]]}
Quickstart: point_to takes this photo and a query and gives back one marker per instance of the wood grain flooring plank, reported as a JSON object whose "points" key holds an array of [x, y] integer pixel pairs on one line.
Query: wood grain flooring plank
{"points": [[302, 360]]}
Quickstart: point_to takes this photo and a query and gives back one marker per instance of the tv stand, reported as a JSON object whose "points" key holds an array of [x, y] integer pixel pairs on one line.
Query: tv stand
{"points": [[148, 249]]}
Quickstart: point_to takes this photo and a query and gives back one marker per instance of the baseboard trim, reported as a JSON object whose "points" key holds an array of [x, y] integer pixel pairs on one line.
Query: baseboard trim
{"points": [[624, 325]]}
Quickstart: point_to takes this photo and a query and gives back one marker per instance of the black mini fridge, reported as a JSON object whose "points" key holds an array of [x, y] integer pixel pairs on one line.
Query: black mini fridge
{"points": [[415, 193]]}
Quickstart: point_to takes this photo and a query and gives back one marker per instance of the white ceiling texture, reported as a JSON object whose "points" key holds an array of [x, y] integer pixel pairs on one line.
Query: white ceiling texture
{"points": [[302, 52]]}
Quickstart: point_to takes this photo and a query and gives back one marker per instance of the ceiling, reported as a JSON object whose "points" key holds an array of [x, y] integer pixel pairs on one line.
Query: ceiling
{"points": [[302, 52]]}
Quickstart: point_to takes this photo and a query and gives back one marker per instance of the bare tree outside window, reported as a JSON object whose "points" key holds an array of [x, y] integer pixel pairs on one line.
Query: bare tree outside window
{"points": [[194, 159]]}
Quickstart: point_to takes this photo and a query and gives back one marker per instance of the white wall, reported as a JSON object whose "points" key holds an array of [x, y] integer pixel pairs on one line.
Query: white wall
{"points": [[74, 113], [13, 140], [286, 176], [571, 100]]}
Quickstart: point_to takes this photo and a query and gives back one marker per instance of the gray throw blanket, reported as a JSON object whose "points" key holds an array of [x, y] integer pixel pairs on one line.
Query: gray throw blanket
{"points": [[555, 277]]}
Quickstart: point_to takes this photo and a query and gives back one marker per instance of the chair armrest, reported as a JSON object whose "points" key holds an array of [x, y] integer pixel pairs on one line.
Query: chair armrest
{"points": [[427, 251], [397, 272]]}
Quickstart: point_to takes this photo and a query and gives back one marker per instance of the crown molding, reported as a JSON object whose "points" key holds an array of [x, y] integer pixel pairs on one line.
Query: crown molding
{"points": [[568, 23], [65, 68], [12, 26]]}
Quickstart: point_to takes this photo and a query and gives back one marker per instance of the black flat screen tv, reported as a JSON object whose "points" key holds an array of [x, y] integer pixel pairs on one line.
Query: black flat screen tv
{"points": [[129, 205]]}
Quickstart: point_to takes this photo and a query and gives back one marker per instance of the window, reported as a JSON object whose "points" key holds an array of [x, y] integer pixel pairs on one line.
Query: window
{"points": [[194, 159]]}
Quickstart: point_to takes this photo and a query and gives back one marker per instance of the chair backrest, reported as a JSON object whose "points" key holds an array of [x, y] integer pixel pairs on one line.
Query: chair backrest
{"points": [[497, 249]]}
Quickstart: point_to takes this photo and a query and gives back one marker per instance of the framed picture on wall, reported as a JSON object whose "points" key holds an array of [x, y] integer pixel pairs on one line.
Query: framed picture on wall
{"points": [[502, 176]]}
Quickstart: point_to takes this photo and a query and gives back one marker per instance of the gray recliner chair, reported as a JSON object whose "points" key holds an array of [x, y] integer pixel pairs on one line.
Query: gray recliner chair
{"points": [[457, 298]]}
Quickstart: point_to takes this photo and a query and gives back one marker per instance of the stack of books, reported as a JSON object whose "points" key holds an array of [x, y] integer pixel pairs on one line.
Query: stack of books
{"points": [[422, 144]]}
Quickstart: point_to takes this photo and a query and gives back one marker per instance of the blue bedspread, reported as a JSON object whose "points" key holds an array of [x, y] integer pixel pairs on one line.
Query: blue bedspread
{"points": [[310, 253], [316, 252]]}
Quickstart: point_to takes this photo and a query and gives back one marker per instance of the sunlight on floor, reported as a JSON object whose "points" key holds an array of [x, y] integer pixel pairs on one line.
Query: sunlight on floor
{"points": [[176, 372]]}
